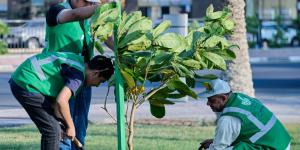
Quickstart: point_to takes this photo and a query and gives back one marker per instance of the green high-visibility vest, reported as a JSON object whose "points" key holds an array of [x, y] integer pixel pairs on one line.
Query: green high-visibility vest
{"points": [[260, 128], [42, 73], [69, 37]]}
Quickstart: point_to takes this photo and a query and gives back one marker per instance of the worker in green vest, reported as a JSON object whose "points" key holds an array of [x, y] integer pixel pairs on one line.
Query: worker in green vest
{"points": [[47, 81], [244, 122], [68, 30]]}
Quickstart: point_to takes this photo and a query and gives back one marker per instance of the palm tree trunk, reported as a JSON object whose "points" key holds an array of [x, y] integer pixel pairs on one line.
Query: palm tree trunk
{"points": [[239, 71]]}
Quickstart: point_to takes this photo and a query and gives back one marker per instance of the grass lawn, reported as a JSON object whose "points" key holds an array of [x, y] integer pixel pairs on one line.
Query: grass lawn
{"points": [[147, 137]]}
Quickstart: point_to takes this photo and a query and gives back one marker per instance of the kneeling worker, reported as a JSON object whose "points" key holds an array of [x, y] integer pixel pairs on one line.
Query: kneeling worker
{"points": [[47, 81], [244, 122]]}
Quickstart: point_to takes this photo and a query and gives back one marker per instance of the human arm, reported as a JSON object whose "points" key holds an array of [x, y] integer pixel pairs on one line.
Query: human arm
{"points": [[80, 13], [77, 14], [59, 14], [227, 131], [64, 110], [73, 79]]}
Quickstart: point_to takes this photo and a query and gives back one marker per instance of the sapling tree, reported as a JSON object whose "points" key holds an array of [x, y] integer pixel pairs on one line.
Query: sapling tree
{"points": [[149, 54]]}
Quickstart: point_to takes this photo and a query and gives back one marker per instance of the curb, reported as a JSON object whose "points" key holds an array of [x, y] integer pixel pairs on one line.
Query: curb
{"points": [[7, 68], [290, 59]]}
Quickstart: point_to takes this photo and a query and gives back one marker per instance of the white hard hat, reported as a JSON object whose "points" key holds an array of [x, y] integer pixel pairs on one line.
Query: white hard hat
{"points": [[216, 87]]}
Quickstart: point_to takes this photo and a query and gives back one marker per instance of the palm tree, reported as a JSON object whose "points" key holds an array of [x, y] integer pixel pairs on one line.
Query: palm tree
{"points": [[239, 71]]}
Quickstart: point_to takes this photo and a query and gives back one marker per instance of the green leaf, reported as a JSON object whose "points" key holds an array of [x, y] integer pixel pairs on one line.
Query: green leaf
{"points": [[178, 70], [228, 24], [227, 54], [215, 15], [141, 54], [99, 47], [186, 72], [207, 76], [197, 56], [127, 21], [192, 38], [173, 41], [154, 78], [191, 63], [160, 102], [215, 59], [130, 37], [128, 79], [140, 46], [143, 39], [144, 24], [157, 111], [162, 56], [210, 9], [109, 16], [162, 93], [210, 14], [191, 82], [175, 96], [101, 9], [214, 40], [129, 60], [103, 32], [187, 53], [162, 27], [182, 88]]}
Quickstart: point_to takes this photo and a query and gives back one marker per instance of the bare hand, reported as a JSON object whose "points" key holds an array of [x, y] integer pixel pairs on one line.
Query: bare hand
{"points": [[205, 144], [70, 133]]}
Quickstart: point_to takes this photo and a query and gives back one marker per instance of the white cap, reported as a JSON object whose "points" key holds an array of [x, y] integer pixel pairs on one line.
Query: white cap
{"points": [[215, 87]]}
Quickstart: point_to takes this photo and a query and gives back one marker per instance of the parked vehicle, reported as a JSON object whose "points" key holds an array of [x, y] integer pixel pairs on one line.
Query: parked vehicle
{"points": [[273, 34], [31, 35]]}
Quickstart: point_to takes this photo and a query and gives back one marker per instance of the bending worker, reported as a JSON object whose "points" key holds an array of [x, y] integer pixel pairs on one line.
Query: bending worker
{"points": [[68, 30], [45, 83], [244, 122]]}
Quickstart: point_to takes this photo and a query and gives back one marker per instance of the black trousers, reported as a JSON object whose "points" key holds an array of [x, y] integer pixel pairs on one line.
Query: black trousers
{"points": [[40, 110]]}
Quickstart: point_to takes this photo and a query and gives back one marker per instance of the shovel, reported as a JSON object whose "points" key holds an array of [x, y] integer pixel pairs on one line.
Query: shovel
{"points": [[76, 142]]}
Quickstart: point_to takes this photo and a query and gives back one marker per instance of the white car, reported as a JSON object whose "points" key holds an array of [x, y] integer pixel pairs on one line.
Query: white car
{"points": [[31, 35], [270, 29]]}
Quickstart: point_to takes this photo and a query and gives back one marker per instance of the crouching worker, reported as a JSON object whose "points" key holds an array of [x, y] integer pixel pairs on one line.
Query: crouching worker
{"points": [[244, 122], [51, 79]]}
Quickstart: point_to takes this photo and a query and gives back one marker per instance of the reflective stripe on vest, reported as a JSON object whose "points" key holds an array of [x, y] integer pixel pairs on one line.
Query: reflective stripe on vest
{"points": [[263, 128], [38, 63]]}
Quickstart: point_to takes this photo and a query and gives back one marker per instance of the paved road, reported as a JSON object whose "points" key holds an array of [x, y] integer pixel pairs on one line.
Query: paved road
{"points": [[276, 84]]}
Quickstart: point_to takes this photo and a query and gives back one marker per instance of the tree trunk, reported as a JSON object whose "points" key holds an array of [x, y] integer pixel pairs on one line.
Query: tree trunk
{"points": [[239, 71], [131, 125]]}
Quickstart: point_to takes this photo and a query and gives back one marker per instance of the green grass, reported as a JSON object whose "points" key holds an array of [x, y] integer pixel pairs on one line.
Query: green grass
{"points": [[147, 137]]}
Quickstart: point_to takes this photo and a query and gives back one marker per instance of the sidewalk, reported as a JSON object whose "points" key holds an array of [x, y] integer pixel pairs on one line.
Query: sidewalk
{"points": [[275, 55]]}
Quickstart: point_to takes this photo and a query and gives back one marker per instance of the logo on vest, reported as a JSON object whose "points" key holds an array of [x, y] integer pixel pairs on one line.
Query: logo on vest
{"points": [[245, 101]]}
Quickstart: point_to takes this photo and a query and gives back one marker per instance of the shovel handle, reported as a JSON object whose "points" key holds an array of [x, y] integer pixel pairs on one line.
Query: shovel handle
{"points": [[77, 143]]}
